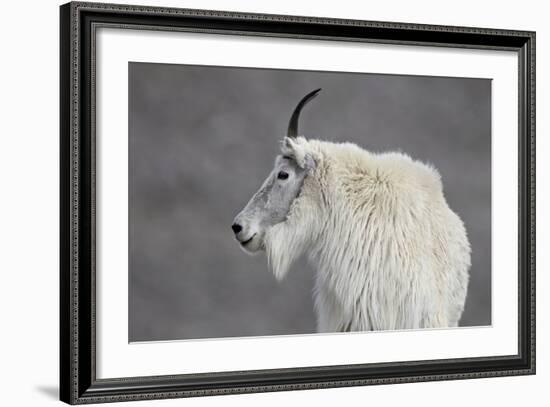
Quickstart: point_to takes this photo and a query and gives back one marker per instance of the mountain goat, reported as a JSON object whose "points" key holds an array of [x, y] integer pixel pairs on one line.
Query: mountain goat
{"points": [[389, 252]]}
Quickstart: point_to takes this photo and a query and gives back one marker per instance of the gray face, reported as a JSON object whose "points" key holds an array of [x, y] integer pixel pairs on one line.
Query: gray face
{"points": [[270, 205]]}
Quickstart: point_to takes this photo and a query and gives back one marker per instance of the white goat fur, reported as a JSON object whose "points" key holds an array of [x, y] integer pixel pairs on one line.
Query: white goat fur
{"points": [[389, 252]]}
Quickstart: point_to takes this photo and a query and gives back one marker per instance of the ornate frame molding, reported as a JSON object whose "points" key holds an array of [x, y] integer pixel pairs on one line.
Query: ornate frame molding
{"points": [[79, 21]]}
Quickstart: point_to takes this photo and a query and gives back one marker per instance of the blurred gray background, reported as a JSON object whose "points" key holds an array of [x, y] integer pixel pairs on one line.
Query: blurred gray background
{"points": [[202, 140]]}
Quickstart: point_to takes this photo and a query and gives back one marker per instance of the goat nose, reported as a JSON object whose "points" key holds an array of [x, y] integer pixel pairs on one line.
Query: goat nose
{"points": [[236, 228]]}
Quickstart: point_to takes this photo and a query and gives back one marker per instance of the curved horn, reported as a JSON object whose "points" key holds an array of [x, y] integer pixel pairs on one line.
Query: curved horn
{"points": [[293, 123]]}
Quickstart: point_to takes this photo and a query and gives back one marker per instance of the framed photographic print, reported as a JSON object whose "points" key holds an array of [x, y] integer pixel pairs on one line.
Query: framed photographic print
{"points": [[256, 203]]}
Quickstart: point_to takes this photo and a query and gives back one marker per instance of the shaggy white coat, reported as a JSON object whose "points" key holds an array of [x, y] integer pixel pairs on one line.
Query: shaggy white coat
{"points": [[389, 252]]}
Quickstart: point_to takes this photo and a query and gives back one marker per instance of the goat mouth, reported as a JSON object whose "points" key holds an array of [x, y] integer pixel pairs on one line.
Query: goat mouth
{"points": [[248, 241]]}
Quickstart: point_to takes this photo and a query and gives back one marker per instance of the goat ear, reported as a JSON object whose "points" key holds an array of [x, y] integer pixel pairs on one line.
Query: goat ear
{"points": [[296, 148], [287, 146]]}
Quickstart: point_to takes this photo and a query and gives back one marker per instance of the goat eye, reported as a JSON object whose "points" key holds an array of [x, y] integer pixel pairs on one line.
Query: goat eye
{"points": [[282, 175]]}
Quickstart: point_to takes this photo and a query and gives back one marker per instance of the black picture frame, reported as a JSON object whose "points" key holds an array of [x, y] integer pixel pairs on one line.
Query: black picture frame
{"points": [[78, 382]]}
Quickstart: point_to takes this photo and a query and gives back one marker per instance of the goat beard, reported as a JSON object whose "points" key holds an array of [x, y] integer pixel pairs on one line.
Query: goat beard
{"points": [[287, 241]]}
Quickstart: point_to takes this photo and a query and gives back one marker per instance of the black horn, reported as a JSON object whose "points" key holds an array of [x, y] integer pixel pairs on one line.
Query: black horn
{"points": [[293, 123]]}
